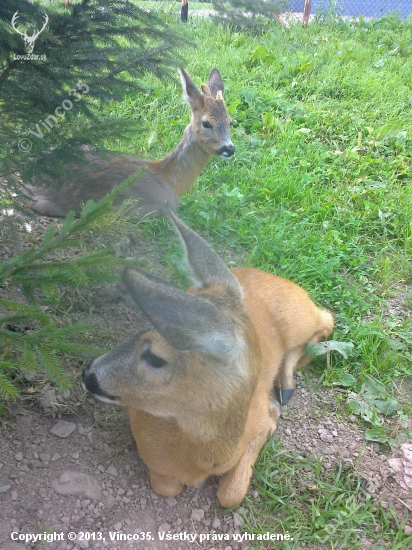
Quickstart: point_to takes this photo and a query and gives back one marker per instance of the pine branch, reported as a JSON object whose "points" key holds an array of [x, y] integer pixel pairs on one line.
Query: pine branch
{"points": [[12, 65], [29, 311], [7, 389], [30, 269], [52, 367], [29, 357], [109, 51]]}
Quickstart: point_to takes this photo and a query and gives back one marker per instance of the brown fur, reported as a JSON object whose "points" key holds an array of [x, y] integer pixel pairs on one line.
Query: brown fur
{"points": [[206, 409], [165, 180]]}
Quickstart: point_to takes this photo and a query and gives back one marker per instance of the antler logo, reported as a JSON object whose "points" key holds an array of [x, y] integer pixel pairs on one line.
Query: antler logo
{"points": [[29, 40]]}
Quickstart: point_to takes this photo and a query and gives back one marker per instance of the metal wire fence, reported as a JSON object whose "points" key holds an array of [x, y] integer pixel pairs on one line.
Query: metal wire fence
{"points": [[348, 8], [355, 8]]}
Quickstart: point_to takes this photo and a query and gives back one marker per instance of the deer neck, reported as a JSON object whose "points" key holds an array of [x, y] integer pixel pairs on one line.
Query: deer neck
{"points": [[183, 165]]}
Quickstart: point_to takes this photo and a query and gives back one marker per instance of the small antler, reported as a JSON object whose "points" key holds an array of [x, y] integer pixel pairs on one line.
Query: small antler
{"points": [[33, 37], [13, 21], [46, 20]]}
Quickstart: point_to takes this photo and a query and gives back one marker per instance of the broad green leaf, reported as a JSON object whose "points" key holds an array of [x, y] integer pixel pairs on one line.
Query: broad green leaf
{"points": [[347, 379], [379, 434], [373, 387], [268, 120], [321, 348], [387, 406]]}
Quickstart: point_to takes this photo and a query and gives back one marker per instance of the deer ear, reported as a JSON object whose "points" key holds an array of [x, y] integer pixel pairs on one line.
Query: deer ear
{"points": [[192, 94], [216, 83], [185, 321], [206, 267]]}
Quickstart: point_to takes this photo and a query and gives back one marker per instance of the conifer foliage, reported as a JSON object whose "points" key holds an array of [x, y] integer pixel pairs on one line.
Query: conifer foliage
{"points": [[88, 54]]}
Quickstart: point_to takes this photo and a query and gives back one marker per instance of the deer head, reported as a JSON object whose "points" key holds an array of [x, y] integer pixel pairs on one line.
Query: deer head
{"points": [[210, 126], [29, 40], [192, 339]]}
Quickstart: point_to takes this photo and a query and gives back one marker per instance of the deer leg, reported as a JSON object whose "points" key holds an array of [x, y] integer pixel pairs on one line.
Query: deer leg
{"points": [[166, 486], [234, 484], [295, 359], [284, 384], [275, 410]]}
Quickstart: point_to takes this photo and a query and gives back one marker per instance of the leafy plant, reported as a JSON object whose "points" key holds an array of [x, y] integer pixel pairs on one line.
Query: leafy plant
{"points": [[373, 404], [322, 348]]}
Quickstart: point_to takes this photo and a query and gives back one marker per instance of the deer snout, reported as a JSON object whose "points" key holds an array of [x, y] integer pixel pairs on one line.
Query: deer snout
{"points": [[226, 151], [91, 384]]}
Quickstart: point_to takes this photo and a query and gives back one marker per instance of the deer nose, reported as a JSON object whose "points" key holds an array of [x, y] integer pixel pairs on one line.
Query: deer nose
{"points": [[91, 384], [226, 151]]}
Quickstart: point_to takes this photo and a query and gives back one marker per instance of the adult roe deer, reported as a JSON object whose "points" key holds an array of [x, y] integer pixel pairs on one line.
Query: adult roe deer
{"points": [[198, 382], [165, 180]]}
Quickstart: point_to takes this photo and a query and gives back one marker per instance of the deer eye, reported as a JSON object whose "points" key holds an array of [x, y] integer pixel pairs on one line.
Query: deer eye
{"points": [[206, 124], [153, 360]]}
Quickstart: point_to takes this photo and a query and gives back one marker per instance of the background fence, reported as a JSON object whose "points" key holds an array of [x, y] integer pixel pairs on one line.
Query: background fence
{"points": [[367, 8], [351, 8]]}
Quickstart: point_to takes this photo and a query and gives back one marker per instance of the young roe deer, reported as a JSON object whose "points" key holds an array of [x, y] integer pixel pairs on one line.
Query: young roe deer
{"points": [[165, 180], [198, 381]]}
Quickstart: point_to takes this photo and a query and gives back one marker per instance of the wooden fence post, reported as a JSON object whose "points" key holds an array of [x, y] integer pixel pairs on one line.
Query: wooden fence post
{"points": [[184, 11], [306, 12]]}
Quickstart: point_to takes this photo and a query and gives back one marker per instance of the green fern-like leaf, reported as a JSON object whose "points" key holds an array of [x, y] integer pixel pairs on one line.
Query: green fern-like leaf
{"points": [[67, 224], [88, 208], [50, 290], [49, 236], [7, 388], [29, 310], [28, 291], [75, 275], [65, 332], [52, 367], [29, 358], [13, 319], [24, 314]]}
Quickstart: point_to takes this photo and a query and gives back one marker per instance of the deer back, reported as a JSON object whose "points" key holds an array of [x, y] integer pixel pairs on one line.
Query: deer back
{"points": [[148, 195]]}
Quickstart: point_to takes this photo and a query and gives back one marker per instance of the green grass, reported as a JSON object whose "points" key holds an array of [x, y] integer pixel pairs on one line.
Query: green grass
{"points": [[315, 506], [319, 192]]}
